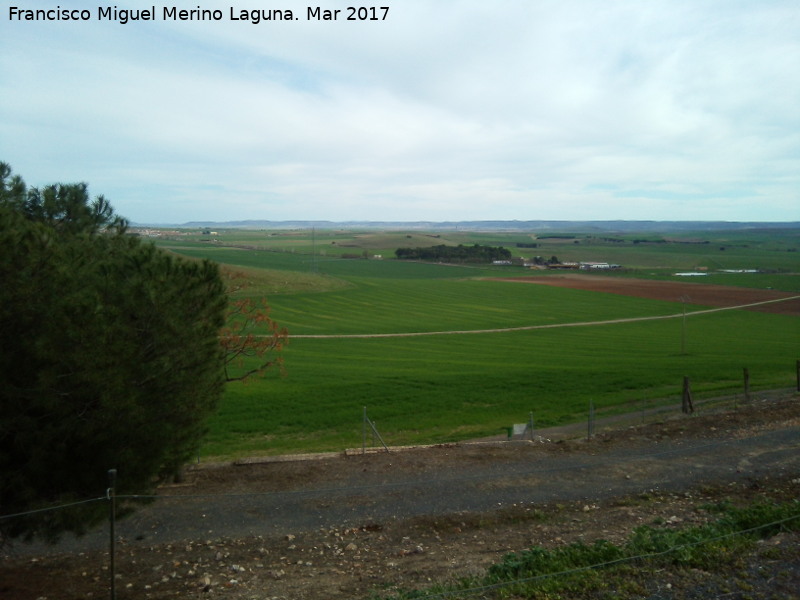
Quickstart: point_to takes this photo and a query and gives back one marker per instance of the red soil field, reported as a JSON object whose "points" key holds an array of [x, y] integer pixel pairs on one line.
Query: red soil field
{"points": [[695, 293]]}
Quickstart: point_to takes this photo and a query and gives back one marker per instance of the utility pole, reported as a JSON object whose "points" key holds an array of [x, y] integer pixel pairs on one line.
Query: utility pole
{"points": [[683, 326], [314, 249]]}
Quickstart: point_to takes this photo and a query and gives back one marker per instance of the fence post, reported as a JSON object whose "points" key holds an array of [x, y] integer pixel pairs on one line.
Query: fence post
{"points": [[530, 423], [686, 401], [364, 432], [375, 433], [590, 431], [683, 330], [112, 517], [683, 300], [798, 375], [746, 385]]}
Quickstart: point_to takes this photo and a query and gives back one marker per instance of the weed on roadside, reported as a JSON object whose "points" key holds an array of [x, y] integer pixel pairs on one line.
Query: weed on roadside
{"points": [[610, 571]]}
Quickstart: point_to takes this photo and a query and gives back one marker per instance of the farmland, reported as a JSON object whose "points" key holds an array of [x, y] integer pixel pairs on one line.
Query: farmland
{"points": [[445, 387]]}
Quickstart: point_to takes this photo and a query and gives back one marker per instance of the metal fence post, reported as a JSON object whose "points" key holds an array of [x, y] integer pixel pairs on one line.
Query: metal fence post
{"points": [[112, 517]]}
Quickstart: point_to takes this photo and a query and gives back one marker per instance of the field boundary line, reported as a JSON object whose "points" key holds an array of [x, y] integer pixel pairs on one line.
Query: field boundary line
{"points": [[534, 327]]}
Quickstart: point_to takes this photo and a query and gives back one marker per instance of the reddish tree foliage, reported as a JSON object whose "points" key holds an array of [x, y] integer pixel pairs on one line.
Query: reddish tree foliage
{"points": [[241, 343]]}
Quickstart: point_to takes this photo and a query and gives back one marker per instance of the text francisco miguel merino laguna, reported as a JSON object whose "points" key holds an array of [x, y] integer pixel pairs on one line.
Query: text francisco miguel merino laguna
{"points": [[173, 13]]}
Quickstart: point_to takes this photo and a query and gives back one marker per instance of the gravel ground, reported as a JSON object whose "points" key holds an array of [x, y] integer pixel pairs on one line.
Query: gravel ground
{"points": [[344, 526]]}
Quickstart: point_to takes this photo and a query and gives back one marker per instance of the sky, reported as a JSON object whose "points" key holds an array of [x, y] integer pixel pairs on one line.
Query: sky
{"points": [[444, 110]]}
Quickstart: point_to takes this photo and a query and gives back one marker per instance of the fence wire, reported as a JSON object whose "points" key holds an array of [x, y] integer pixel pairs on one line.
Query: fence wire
{"points": [[468, 592], [391, 485], [52, 508]]}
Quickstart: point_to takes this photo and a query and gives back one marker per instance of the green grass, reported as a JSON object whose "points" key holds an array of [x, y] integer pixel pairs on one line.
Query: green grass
{"points": [[448, 387], [444, 388], [405, 306], [303, 262]]}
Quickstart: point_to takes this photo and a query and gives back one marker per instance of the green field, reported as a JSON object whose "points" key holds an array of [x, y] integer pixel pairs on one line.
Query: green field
{"points": [[446, 387], [775, 250]]}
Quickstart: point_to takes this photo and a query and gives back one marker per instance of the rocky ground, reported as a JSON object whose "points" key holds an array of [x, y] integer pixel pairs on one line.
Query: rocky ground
{"points": [[349, 527]]}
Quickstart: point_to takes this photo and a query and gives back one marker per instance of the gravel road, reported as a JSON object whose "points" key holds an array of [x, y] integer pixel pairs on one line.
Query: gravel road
{"points": [[278, 498]]}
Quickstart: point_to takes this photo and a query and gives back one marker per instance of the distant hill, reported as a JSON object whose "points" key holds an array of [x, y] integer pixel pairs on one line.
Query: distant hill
{"points": [[570, 226]]}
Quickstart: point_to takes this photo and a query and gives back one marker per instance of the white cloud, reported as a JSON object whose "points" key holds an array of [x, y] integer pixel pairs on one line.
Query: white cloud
{"points": [[446, 110]]}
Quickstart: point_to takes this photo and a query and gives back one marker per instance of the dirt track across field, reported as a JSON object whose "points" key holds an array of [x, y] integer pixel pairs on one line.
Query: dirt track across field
{"points": [[721, 297], [674, 291], [350, 526]]}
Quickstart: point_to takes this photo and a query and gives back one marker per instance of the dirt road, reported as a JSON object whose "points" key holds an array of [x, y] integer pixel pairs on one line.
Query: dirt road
{"points": [[355, 491], [722, 297], [340, 526]]}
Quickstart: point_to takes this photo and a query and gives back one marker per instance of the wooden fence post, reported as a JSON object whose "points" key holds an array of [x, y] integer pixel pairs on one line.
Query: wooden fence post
{"points": [[746, 385], [686, 401], [798, 375]]}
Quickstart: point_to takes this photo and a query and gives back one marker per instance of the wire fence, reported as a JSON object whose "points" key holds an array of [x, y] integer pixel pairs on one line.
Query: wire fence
{"points": [[467, 592], [455, 481], [595, 464], [645, 412]]}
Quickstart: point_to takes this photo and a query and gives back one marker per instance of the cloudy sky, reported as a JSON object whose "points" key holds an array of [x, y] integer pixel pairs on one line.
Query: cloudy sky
{"points": [[445, 110]]}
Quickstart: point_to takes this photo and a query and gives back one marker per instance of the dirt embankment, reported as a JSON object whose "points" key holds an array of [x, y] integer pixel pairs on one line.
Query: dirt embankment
{"points": [[343, 527]]}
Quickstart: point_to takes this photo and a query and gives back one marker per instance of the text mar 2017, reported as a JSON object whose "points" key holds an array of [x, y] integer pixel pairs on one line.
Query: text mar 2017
{"points": [[353, 13], [173, 13]]}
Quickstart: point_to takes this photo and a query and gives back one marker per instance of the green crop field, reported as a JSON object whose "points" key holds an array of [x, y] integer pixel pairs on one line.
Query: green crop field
{"points": [[748, 249], [451, 386]]}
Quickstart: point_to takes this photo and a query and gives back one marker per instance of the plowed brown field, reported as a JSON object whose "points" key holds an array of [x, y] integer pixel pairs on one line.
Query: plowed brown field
{"points": [[694, 293]]}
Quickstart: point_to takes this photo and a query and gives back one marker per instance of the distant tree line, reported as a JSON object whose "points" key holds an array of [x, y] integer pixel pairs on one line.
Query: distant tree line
{"points": [[472, 254], [540, 260]]}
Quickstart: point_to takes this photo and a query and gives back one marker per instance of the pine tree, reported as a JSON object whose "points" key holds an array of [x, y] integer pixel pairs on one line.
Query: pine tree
{"points": [[110, 356]]}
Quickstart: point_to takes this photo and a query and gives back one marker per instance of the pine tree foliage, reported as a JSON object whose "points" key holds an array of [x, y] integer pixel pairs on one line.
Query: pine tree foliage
{"points": [[110, 356]]}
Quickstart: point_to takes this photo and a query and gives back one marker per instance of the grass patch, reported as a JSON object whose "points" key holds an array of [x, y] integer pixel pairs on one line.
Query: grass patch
{"points": [[606, 570], [443, 388], [250, 281]]}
